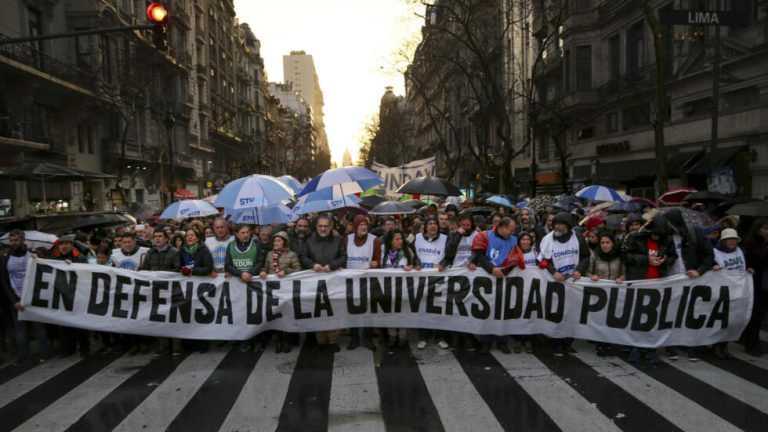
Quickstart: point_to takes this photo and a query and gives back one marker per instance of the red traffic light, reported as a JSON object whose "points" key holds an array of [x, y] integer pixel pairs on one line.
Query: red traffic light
{"points": [[157, 13]]}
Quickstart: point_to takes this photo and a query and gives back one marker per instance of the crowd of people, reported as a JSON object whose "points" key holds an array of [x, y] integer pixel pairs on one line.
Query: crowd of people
{"points": [[434, 237]]}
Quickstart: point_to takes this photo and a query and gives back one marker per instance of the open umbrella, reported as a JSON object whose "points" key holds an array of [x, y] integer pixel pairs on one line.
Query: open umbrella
{"points": [[429, 186], [599, 193], [348, 180], [141, 211], [500, 200], [732, 201], [371, 201], [692, 217], [675, 195], [705, 196], [262, 216], [624, 207], [392, 208], [292, 183], [188, 209], [522, 204], [323, 201], [757, 208], [479, 210], [415, 203], [253, 191], [33, 239], [567, 203]]}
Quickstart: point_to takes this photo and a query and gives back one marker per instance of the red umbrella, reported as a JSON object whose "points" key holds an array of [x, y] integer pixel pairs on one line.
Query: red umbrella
{"points": [[676, 195]]}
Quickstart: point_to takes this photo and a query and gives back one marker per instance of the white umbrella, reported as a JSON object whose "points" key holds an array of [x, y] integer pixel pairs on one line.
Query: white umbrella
{"points": [[33, 239], [187, 209]]}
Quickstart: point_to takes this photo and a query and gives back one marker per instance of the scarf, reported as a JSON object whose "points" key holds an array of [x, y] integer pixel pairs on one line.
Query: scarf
{"points": [[276, 254], [394, 258], [610, 256], [191, 249]]}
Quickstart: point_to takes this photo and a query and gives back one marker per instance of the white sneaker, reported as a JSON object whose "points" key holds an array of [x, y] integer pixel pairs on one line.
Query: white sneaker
{"points": [[421, 345], [443, 344]]}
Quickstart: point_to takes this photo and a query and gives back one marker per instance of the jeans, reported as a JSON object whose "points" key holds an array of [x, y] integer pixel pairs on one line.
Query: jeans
{"points": [[22, 338]]}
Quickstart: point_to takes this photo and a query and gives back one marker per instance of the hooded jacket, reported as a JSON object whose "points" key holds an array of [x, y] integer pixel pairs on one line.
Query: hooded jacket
{"points": [[696, 250], [634, 249]]}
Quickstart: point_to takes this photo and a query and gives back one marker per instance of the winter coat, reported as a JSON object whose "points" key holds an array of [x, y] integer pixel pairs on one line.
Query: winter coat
{"points": [[229, 264], [160, 260], [605, 267], [288, 262], [634, 253], [203, 261], [324, 251]]}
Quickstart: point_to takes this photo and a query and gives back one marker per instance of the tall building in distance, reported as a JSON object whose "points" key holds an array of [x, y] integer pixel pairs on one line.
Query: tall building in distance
{"points": [[299, 71]]}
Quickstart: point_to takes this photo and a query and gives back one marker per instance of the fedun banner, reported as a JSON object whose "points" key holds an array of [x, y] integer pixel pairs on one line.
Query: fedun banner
{"points": [[662, 312], [394, 177]]}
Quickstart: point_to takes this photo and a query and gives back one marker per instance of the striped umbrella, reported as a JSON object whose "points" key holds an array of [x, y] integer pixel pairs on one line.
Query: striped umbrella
{"points": [[348, 180], [253, 192], [188, 209], [600, 193]]}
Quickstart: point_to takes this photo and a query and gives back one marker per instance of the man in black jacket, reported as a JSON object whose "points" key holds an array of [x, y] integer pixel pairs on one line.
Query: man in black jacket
{"points": [[72, 337], [162, 256], [13, 268], [323, 253]]}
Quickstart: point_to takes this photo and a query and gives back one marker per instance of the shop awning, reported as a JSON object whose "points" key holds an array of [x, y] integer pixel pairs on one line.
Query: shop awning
{"points": [[724, 156], [182, 193]]}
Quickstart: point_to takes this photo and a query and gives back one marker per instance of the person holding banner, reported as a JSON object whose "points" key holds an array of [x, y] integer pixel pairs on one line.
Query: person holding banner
{"points": [[398, 254], [194, 259], [324, 253], [129, 256], [728, 256], [162, 256], [605, 263], [218, 243], [496, 252], [13, 269], [66, 251], [756, 254], [244, 260], [648, 253], [430, 249], [527, 245], [280, 261], [363, 252], [458, 252], [564, 253]]}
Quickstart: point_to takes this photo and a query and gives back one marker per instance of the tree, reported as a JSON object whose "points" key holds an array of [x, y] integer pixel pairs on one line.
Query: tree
{"points": [[660, 93]]}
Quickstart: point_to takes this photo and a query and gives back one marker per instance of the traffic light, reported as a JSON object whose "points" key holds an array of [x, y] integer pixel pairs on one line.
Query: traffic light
{"points": [[158, 14]]}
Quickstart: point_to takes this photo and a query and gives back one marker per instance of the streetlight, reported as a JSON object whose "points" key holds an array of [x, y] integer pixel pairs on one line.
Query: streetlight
{"points": [[169, 121]]}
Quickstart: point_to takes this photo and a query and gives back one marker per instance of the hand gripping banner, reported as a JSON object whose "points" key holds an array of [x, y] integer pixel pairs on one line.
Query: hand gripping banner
{"points": [[662, 312]]}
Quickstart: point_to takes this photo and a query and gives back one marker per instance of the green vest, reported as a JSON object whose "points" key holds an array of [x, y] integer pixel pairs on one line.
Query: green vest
{"points": [[243, 261]]}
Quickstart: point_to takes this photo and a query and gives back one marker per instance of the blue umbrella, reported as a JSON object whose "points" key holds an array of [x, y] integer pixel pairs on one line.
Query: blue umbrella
{"points": [[599, 193], [254, 191], [292, 183], [522, 204], [262, 216], [188, 209], [348, 180], [323, 201], [500, 200]]}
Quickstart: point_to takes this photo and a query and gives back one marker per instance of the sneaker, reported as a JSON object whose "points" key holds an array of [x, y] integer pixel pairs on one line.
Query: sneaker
{"points": [[422, 344], [634, 356], [503, 347], [691, 354], [672, 354], [443, 344], [559, 351], [653, 357]]}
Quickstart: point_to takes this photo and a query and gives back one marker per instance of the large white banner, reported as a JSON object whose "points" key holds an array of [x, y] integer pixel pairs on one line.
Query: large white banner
{"points": [[394, 177], [662, 312]]}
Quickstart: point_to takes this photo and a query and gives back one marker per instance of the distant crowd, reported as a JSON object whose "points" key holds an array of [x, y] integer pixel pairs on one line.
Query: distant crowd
{"points": [[440, 238]]}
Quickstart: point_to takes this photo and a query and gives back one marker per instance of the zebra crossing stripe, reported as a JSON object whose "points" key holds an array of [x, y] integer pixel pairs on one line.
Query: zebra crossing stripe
{"points": [[512, 406], [125, 398], [744, 370], [258, 404], [460, 406], [562, 403], [398, 376], [157, 411], [45, 393], [27, 381], [67, 409], [355, 404], [621, 407], [679, 410], [306, 402], [736, 387], [738, 352], [209, 407]]}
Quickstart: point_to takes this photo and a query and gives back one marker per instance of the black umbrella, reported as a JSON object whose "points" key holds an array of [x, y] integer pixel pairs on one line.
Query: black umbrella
{"points": [[732, 201], [141, 211], [567, 203], [392, 208], [625, 207], [371, 201], [613, 222], [705, 196], [415, 203], [429, 186], [478, 210], [757, 208]]}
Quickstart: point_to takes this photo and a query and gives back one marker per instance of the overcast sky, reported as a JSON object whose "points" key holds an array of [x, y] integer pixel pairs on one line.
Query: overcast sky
{"points": [[353, 44]]}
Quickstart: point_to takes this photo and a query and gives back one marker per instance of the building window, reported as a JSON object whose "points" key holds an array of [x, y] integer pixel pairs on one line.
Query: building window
{"points": [[612, 122], [543, 146], [585, 133], [614, 60], [584, 67], [567, 71], [633, 117], [635, 49]]}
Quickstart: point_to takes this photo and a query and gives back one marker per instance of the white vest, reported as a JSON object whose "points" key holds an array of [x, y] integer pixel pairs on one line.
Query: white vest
{"points": [[531, 258], [430, 253], [464, 251], [17, 269], [564, 256], [218, 250], [359, 257], [731, 261], [128, 262], [679, 266]]}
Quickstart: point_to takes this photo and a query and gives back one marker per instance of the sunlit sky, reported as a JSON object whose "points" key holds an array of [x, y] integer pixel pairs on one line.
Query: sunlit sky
{"points": [[353, 44]]}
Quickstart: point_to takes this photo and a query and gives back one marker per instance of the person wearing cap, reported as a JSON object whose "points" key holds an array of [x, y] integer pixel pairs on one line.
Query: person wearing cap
{"points": [[363, 252], [564, 253], [66, 251], [280, 261], [430, 250], [729, 256], [13, 269]]}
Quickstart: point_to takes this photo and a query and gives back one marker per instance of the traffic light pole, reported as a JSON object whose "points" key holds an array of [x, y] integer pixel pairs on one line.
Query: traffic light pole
{"points": [[75, 34]]}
